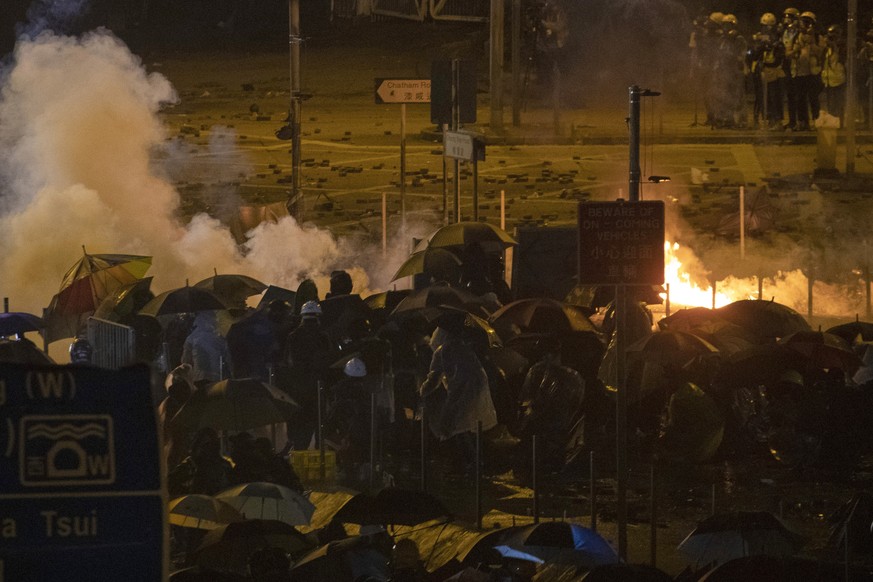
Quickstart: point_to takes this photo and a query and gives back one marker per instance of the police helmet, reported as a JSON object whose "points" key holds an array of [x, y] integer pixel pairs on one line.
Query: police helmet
{"points": [[808, 16], [768, 19], [716, 17], [792, 12], [310, 309], [355, 368], [729, 19]]}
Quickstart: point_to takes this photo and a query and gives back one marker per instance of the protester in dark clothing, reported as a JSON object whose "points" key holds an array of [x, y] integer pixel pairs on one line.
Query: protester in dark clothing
{"points": [[204, 471], [551, 408], [308, 352], [276, 468], [340, 284], [306, 291], [180, 388], [256, 344]]}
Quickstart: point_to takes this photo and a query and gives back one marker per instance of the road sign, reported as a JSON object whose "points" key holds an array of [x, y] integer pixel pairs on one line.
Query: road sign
{"points": [[402, 91], [80, 481], [621, 243], [463, 145]]}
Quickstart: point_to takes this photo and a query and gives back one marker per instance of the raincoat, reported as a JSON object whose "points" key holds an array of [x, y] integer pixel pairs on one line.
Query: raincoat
{"points": [[455, 393]]}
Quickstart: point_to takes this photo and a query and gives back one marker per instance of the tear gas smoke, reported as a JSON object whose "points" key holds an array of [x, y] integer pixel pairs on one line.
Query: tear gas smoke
{"points": [[88, 164]]}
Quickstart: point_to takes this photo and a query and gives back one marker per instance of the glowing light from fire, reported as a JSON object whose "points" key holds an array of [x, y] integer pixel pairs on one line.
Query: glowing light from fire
{"points": [[684, 290]]}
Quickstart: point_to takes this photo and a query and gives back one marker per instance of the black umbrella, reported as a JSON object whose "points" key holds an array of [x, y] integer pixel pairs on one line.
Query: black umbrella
{"points": [[626, 573], [543, 315], [236, 404], [670, 347], [19, 322], [435, 296], [22, 351], [349, 559], [126, 300], [726, 536], [783, 569], [392, 506], [228, 547], [232, 289], [765, 318], [823, 350], [182, 300], [853, 331]]}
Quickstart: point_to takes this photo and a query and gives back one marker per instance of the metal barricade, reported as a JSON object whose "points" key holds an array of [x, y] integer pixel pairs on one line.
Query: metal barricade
{"points": [[465, 10], [113, 344], [409, 9]]}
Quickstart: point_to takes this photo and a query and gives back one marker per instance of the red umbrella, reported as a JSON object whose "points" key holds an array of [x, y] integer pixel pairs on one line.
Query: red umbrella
{"points": [[93, 277]]}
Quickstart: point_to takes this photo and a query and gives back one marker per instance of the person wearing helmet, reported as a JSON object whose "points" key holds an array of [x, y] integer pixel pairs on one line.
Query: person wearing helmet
{"points": [[81, 351], [790, 30], [865, 84], [708, 50], [308, 353], [765, 64], [806, 54], [728, 95], [833, 71]]}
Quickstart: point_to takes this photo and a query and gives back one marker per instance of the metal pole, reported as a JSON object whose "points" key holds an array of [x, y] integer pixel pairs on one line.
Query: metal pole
{"points": [[516, 63], [742, 222], [478, 474], [496, 81], [714, 292], [296, 201], [445, 127], [403, 164], [556, 97], [476, 190], [423, 437], [321, 468], [634, 157], [653, 511], [621, 452], [384, 224], [810, 281], [456, 122], [372, 441], [592, 489], [534, 484], [851, 42], [667, 300], [760, 287]]}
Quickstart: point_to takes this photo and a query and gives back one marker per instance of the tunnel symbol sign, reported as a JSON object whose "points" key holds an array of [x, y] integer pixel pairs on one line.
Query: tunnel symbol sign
{"points": [[66, 450]]}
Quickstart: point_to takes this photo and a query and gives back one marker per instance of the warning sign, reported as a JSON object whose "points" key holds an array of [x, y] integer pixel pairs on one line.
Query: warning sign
{"points": [[621, 243]]}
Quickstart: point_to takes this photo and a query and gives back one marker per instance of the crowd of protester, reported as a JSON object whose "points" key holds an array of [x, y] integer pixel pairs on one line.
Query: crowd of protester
{"points": [[782, 77]]}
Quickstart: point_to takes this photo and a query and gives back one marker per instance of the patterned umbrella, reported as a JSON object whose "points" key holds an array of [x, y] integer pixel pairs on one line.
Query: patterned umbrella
{"points": [[201, 512], [93, 277], [269, 501]]}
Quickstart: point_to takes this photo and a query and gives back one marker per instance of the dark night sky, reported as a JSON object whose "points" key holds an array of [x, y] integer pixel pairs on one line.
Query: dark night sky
{"points": [[192, 23]]}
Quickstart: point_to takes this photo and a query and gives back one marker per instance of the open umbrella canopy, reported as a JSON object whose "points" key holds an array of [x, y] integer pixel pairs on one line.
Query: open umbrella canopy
{"points": [[93, 277], [671, 347], [201, 512], [462, 233], [543, 315], [439, 263], [182, 300], [784, 569], [690, 319], [392, 506], [126, 300], [626, 573], [22, 351], [269, 501], [19, 322], [723, 537], [435, 296], [232, 289], [236, 404], [475, 328], [354, 558], [765, 318], [228, 547], [562, 542], [853, 331], [823, 349]]}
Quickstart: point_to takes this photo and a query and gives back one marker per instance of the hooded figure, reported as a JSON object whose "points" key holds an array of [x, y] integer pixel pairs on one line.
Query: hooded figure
{"points": [[205, 350], [456, 393]]}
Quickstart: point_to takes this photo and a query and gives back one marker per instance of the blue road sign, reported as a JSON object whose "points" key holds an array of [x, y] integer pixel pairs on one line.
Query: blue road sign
{"points": [[80, 475]]}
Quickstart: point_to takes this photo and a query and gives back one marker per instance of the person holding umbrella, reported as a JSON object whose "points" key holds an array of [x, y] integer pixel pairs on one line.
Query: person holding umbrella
{"points": [[308, 352], [455, 394]]}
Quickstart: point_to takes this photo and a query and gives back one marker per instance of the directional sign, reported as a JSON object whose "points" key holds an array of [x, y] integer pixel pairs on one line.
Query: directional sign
{"points": [[621, 243], [463, 145], [402, 91], [80, 480]]}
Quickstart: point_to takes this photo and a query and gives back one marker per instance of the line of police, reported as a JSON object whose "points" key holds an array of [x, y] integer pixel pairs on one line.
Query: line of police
{"points": [[786, 65]]}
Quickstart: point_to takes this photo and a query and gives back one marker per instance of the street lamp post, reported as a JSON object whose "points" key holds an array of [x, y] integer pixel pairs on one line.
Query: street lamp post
{"points": [[295, 200]]}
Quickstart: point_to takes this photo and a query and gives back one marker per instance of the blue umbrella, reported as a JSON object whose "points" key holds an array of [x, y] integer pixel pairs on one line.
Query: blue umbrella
{"points": [[514, 554], [563, 543]]}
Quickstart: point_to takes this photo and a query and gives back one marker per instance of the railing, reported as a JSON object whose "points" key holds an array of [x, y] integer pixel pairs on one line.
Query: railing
{"points": [[114, 344], [466, 10], [409, 9]]}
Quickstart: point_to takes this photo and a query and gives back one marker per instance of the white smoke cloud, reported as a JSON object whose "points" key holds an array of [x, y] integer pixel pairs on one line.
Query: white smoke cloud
{"points": [[86, 163]]}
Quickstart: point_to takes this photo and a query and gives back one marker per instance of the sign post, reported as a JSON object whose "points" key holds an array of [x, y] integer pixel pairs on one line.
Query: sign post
{"points": [[621, 244], [81, 495], [402, 91], [463, 145]]}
